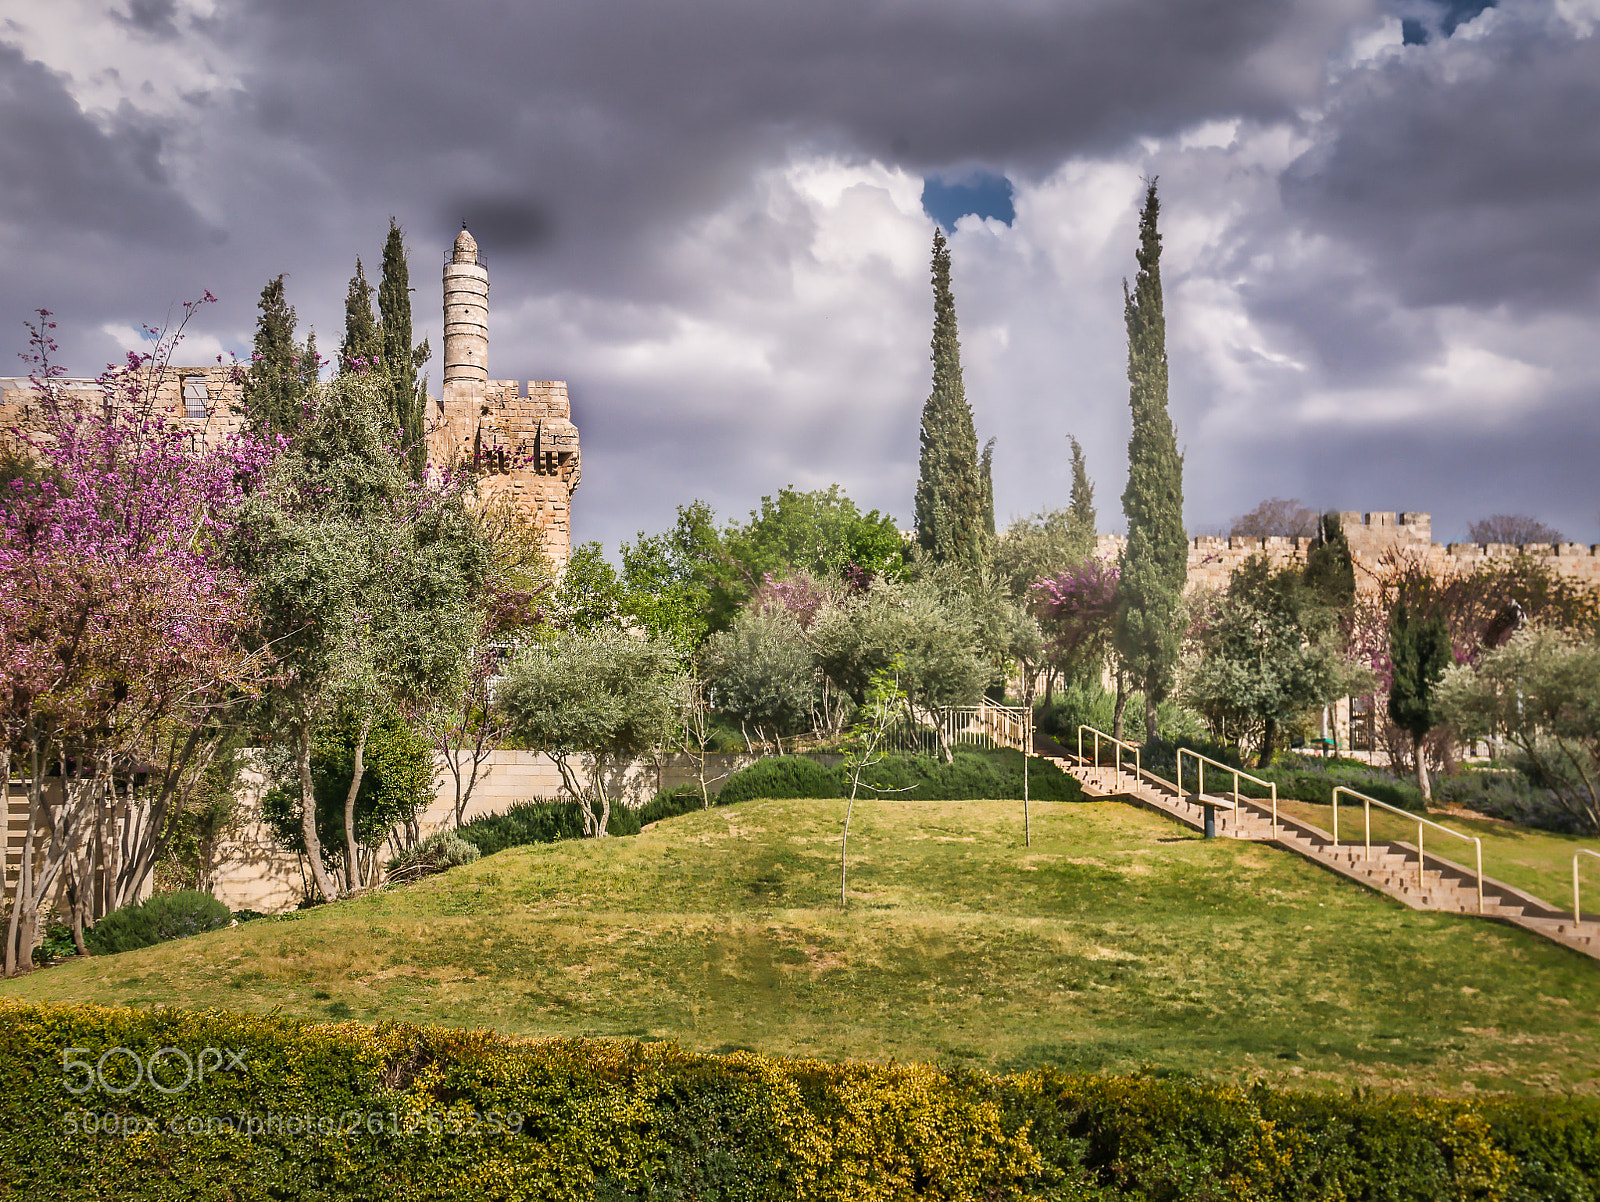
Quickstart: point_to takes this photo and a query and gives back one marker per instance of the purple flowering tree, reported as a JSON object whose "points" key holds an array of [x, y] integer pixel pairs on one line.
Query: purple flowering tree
{"points": [[120, 655]]}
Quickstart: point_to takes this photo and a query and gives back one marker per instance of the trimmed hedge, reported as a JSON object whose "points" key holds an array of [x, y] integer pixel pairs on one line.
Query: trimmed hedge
{"points": [[972, 776], [294, 1110], [780, 776]]}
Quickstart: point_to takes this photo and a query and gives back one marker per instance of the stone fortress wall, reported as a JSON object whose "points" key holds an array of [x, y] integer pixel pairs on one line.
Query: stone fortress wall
{"points": [[519, 440], [1212, 559]]}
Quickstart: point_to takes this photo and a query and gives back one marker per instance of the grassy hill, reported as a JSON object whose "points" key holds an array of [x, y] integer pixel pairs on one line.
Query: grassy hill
{"points": [[1116, 942]]}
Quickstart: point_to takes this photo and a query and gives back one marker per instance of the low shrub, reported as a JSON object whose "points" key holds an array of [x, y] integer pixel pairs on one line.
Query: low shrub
{"points": [[669, 803], [434, 854], [780, 776], [407, 1113], [1509, 795], [540, 822], [155, 920], [57, 944]]}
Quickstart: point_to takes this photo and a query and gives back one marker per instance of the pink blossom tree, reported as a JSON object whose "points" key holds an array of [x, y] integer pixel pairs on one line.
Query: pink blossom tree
{"points": [[120, 654]]}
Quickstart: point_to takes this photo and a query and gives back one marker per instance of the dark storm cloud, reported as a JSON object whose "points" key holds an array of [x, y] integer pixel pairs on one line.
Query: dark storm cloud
{"points": [[622, 117], [1467, 171], [63, 176]]}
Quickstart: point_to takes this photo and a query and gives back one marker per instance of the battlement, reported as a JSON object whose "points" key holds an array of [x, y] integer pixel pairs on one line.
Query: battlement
{"points": [[1213, 558]]}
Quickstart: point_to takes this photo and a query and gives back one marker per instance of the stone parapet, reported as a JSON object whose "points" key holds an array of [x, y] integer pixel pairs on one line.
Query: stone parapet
{"points": [[1213, 558]]}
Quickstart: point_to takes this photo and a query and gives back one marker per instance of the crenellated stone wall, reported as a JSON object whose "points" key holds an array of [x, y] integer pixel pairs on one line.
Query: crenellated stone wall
{"points": [[1212, 559]]}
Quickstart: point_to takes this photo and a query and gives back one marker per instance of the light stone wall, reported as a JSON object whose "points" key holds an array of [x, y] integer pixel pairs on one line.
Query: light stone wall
{"points": [[1212, 560], [254, 873]]}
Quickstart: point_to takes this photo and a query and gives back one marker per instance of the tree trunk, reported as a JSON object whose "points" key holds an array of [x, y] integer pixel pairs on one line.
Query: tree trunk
{"points": [[1423, 781], [352, 855], [1122, 704], [308, 819], [1269, 740]]}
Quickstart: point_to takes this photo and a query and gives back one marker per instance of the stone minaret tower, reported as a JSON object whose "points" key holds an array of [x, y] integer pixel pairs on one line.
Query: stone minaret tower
{"points": [[521, 445], [466, 316]]}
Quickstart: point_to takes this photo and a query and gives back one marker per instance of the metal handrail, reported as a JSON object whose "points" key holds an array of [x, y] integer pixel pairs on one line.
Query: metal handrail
{"points": [[1577, 914], [1369, 802], [1138, 771], [1238, 774]]}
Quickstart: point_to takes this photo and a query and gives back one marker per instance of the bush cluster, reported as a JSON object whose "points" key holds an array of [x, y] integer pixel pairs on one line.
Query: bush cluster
{"points": [[158, 918], [1509, 795], [399, 1112], [972, 776]]}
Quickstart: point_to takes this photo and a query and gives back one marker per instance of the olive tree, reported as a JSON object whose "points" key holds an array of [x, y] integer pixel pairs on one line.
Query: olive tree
{"points": [[592, 701], [1541, 691]]}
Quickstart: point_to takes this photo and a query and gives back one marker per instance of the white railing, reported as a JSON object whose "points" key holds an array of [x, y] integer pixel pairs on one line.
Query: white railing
{"points": [[1238, 774], [1138, 772], [966, 725], [1369, 802], [1577, 914]]}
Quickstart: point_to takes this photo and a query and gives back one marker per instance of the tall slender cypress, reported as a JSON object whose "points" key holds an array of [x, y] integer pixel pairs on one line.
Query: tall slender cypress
{"points": [[362, 348], [986, 477], [950, 505], [1155, 562], [274, 384], [400, 359], [1081, 518]]}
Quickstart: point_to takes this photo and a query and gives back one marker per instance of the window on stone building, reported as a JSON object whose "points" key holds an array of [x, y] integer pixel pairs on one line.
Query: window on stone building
{"points": [[195, 396]]}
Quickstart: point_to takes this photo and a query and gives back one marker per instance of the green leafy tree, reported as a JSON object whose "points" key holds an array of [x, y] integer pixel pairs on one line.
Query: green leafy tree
{"points": [[950, 496], [370, 589], [1419, 656], [592, 701], [401, 361], [820, 533], [1081, 523], [930, 632], [362, 348], [760, 672], [274, 392], [1541, 691], [1156, 560], [864, 749], [1269, 653], [396, 785]]}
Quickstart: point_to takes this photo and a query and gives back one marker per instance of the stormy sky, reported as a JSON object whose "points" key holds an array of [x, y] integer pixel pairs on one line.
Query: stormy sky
{"points": [[1381, 220]]}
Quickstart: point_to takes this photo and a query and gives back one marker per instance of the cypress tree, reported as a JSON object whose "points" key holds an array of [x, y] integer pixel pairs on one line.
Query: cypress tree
{"points": [[274, 385], [400, 359], [1419, 654], [310, 363], [1081, 519], [949, 506], [986, 475], [1330, 570], [1156, 561], [362, 349]]}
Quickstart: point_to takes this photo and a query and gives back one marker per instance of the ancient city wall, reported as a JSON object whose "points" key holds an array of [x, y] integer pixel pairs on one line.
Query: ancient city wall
{"points": [[1213, 559]]}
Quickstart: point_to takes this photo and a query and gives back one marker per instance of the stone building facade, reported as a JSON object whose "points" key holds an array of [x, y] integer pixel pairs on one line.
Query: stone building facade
{"points": [[519, 439]]}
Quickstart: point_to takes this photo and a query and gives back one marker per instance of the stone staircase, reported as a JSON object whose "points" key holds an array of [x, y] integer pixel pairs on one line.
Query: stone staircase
{"points": [[1391, 868]]}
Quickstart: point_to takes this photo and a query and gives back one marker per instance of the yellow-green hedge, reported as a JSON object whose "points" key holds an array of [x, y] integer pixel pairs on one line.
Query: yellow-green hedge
{"points": [[303, 1111]]}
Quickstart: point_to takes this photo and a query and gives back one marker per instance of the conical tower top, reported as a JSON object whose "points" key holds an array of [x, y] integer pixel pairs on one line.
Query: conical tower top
{"points": [[466, 246]]}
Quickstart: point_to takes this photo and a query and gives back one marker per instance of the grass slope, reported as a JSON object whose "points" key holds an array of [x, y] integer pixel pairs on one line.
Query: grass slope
{"points": [[1117, 942]]}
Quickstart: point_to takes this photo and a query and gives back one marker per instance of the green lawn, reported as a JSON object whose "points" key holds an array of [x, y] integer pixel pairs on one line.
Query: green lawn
{"points": [[1118, 941]]}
